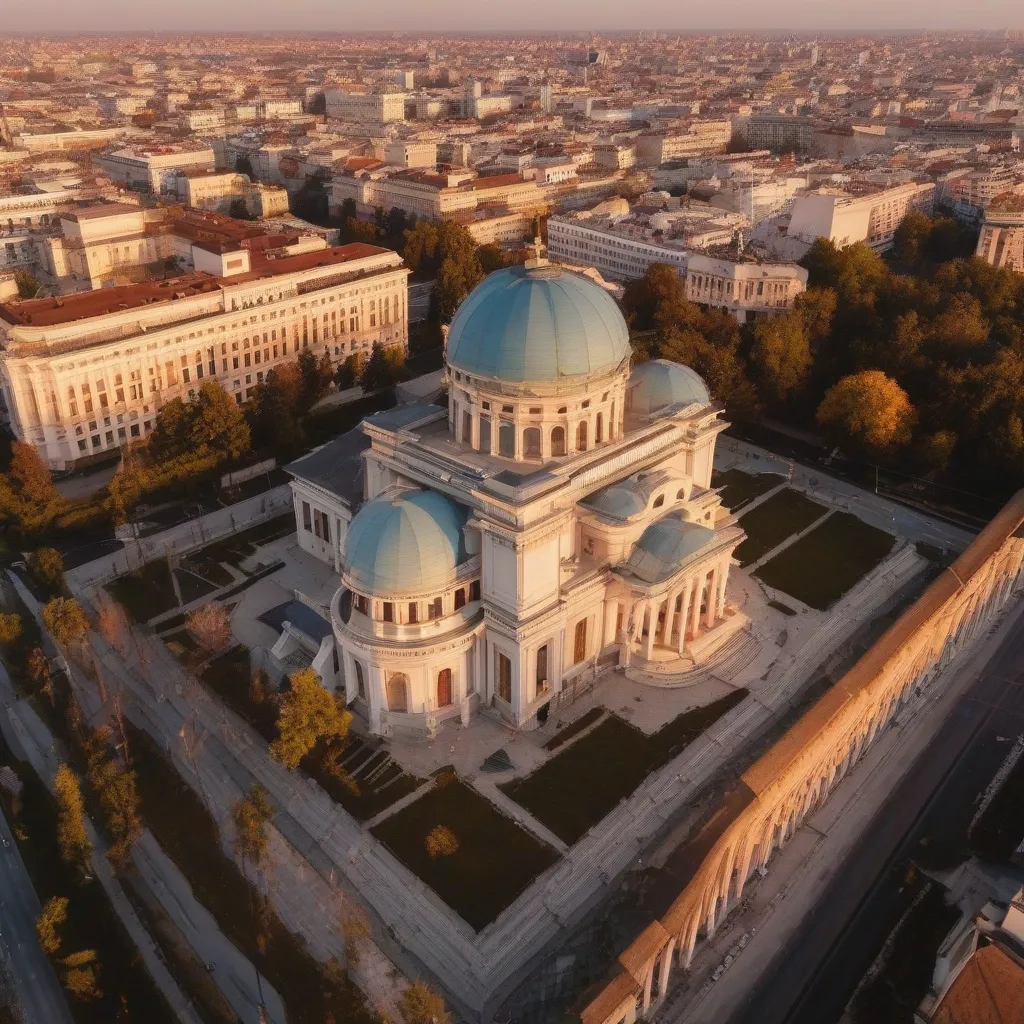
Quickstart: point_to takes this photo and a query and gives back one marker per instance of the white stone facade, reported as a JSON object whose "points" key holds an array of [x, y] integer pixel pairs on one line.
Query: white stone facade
{"points": [[83, 375]]}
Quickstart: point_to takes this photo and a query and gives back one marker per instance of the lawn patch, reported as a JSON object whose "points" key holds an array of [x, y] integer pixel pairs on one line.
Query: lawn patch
{"points": [[740, 488], [768, 525], [574, 790], [495, 861], [147, 592], [239, 546], [825, 563], [574, 728]]}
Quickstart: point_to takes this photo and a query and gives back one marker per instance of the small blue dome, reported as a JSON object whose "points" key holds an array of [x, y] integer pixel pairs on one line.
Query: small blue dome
{"points": [[544, 323], [618, 501], [407, 543], [661, 383], [664, 546]]}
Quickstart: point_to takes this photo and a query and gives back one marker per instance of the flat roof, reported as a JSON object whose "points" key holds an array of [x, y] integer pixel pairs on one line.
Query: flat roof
{"points": [[101, 210], [50, 312]]}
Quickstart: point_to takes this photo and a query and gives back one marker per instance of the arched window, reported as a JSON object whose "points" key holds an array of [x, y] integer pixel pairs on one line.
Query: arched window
{"points": [[581, 436], [659, 501], [444, 688], [558, 440], [398, 692], [681, 494], [599, 429], [531, 442], [485, 434], [579, 648], [360, 683], [507, 439], [611, 424]]}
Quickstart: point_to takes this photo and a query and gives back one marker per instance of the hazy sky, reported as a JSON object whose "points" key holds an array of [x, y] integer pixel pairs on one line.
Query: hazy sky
{"points": [[475, 15]]}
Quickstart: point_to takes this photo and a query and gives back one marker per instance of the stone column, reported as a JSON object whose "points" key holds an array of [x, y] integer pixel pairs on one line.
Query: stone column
{"points": [[666, 968], [670, 614], [611, 611], [652, 628], [698, 592], [684, 612]]}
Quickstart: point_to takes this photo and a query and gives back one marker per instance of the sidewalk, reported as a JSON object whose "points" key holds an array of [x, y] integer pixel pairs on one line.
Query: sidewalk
{"points": [[774, 907]]}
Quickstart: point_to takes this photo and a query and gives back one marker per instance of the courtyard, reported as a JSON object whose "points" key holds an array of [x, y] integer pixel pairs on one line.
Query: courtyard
{"points": [[739, 489], [573, 790], [775, 520], [494, 858], [825, 563]]}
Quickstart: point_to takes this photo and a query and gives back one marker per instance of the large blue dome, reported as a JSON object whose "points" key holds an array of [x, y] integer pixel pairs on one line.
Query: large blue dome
{"points": [[407, 543], [537, 324]]}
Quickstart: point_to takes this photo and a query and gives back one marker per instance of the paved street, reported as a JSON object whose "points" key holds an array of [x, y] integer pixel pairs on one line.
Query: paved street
{"points": [[40, 992], [817, 972], [793, 916]]}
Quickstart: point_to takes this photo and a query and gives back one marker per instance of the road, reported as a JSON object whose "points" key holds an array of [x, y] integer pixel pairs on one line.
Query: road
{"points": [[42, 998], [419, 300], [814, 975]]}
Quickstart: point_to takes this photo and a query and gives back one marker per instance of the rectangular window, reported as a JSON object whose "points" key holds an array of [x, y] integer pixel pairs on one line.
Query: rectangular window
{"points": [[542, 668], [579, 650], [460, 598], [389, 612], [414, 612], [307, 519], [434, 609], [503, 671], [184, 376], [474, 590]]}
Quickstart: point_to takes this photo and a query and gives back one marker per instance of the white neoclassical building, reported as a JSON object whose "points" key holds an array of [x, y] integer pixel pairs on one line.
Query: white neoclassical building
{"points": [[556, 517]]}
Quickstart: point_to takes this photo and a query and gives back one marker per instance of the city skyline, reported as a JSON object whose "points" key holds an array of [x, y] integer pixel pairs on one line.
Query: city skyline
{"points": [[565, 16]]}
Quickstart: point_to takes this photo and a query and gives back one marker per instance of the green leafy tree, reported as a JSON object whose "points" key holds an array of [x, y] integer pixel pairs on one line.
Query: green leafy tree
{"points": [[49, 922], [420, 248], [239, 210], [47, 568], [867, 409], [217, 425], [275, 412], [781, 355], [420, 1004], [27, 282], [660, 290], [243, 165], [309, 714], [348, 372], [75, 848], [315, 377], [383, 369], [250, 815]]}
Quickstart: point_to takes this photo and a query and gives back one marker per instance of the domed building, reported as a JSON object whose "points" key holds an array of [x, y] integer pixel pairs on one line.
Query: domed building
{"points": [[555, 519]]}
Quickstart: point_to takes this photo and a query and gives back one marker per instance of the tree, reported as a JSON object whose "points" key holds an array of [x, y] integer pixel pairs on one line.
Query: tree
{"points": [[64, 618], [37, 667], [441, 841], [48, 923], [27, 282], [315, 378], [239, 210], [243, 165], [10, 628], [113, 625], [47, 567], [660, 289], [75, 848], [275, 409], [218, 426], [910, 239], [28, 497], [420, 248], [781, 355], [868, 409], [250, 814], [81, 975], [317, 104], [308, 714], [114, 785], [383, 369], [210, 624], [420, 1004], [456, 278], [348, 372]]}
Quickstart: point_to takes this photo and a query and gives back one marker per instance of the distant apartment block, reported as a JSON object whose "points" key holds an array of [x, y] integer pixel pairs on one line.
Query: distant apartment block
{"points": [[746, 288], [365, 107], [1001, 242], [84, 374], [780, 133], [699, 138], [153, 170], [616, 255]]}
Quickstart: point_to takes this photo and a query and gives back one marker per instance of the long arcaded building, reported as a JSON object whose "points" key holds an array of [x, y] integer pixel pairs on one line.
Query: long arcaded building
{"points": [[797, 774]]}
